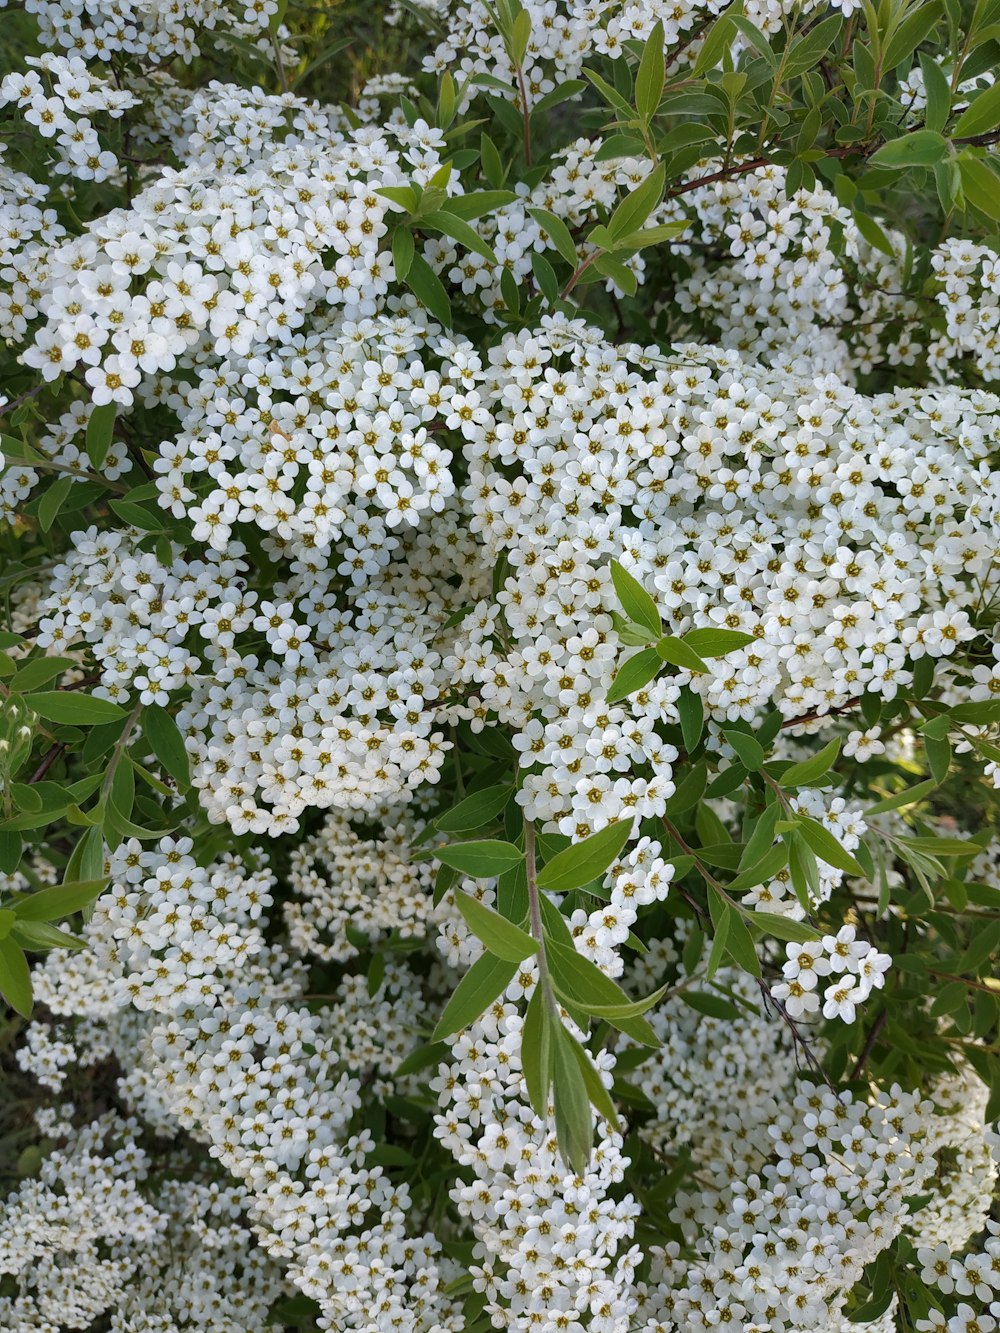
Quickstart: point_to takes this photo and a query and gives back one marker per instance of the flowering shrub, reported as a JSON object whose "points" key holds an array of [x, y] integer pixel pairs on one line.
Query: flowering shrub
{"points": [[500, 666]]}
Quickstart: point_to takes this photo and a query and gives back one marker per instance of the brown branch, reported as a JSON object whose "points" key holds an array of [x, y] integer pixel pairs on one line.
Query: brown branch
{"points": [[880, 1021], [47, 761]]}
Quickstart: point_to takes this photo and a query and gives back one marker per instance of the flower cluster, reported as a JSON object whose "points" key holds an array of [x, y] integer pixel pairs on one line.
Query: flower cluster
{"points": [[157, 31], [499, 669], [58, 97], [83, 1241], [854, 966]]}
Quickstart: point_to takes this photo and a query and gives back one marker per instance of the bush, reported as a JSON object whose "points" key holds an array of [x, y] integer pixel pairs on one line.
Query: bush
{"points": [[501, 678]]}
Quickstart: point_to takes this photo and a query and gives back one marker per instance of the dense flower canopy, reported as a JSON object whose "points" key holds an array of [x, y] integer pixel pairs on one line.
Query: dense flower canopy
{"points": [[500, 666]]}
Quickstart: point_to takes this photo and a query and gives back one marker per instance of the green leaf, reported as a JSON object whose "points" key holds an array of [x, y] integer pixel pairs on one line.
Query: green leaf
{"points": [[52, 501], [680, 654], [545, 277], [981, 115], [475, 204], [100, 430], [459, 231], [938, 89], [86, 861], [981, 949], [487, 978], [167, 743], [873, 1309], [636, 207], [691, 711], [477, 809], [748, 749], [562, 93], [938, 751], [740, 946], [403, 195], [804, 869], [629, 1010], [913, 30], [403, 250], [718, 40], [520, 36], [770, 864], [619, 273], [15, 977], [633, 674], [812, 769], [78, 709], [426, 286], [722, 918], [136, 516], [979, 714], [376, 973], [902, 798], [10, 851], [38, 936], [610, 94], [808, 50], [921, 148], [717, 642], [583, 984], [536, 1053], [827, 848], [558, 233], [59, 900], [631, 634], [981, 186], [647, 236], [597, 1093], [39, 671], [432, 1053], [500, 936], [650, 75], [942, 846], [873, 233], [783, 927], [584, 861], [482, 859], [712, 1006], [761, 838], [574, 1122]]}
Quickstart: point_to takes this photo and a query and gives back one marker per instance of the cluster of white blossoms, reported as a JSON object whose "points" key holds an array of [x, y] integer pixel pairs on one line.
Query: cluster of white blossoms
{"points": [[342, 878], [844, 821], [975, 1278], [854, 967], [759, 1264], [156, 31], [841, 531], [91, 1236], [849, 535], [791, 278], [556, 1248], [292, 702], [792, 1203], [28, 231], [969, 279], [361, 548], [58, 96], [563, 33], [200, 264], [264, 1076]]}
